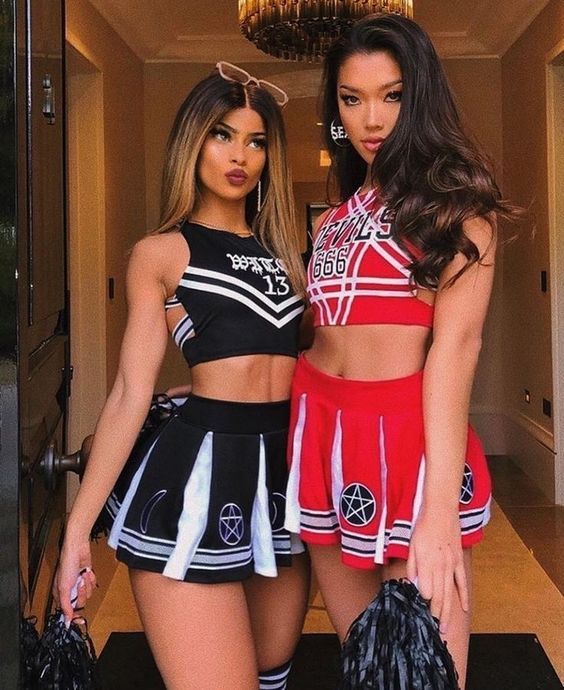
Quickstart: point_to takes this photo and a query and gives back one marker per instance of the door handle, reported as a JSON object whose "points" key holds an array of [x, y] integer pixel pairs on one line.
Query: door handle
{"points": [[53, 464]]}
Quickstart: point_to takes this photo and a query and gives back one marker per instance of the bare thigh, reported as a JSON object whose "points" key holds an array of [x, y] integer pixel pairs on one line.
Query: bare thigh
{"points": [[277, 608], [458, 634], [200, 635], [346, 591]]}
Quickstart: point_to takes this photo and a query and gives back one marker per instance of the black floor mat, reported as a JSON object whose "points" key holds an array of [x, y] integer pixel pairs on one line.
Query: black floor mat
{"points": [[496, 662]]}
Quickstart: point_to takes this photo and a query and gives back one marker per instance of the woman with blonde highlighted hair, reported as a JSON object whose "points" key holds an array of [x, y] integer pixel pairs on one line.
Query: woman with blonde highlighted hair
{"points": [[197, 513]]}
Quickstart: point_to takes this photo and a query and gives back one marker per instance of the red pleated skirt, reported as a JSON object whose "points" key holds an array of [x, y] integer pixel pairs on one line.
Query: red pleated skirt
{"points": [[357, 466]]}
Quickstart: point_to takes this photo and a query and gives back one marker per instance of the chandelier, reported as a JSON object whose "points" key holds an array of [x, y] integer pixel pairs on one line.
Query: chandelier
{"points": [[304, 29]]}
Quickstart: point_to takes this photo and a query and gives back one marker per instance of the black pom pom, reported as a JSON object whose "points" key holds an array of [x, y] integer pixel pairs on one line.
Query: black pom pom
{"points": [[64, 658], [28, 644], [395, 644], [162, 407], [100, 527]]}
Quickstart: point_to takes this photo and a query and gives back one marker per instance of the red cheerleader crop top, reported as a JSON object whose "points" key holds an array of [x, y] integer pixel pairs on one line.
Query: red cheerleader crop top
{"points": [[358, 274]]}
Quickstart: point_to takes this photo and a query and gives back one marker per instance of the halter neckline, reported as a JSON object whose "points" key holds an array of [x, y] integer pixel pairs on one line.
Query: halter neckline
{"points": [[373, 191]]}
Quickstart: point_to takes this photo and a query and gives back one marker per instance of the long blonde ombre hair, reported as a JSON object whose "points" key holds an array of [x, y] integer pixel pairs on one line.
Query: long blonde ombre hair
{"points": [[275, 224]]}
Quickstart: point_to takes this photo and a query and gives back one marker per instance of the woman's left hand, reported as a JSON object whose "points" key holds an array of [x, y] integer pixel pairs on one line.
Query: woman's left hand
{"points": [[436, 564]]}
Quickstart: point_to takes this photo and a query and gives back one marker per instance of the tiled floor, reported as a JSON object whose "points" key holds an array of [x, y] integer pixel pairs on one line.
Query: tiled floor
{"points": [[539, 523], [513, 593]]}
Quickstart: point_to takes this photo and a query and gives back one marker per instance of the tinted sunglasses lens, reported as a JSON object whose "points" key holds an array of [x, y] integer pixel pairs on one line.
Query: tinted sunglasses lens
{"points": [[279, 96], [233, 73]]}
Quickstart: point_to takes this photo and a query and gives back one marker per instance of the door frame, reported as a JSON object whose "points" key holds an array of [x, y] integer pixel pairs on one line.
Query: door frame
{"points": [[555, 159], [87, 244], [9, 399]]}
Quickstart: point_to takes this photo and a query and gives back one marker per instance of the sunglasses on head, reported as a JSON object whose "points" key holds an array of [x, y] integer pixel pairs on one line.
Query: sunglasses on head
{"points": [[231, 72]]}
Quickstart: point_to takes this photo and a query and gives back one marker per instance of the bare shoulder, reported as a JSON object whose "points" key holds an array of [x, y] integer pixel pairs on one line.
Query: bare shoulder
{"points": [[154, 251], [160, 255], [482, 231]]}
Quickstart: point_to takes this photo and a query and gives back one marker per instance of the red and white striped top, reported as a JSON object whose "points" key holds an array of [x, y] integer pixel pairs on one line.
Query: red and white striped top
{"points": [[358, 274]]}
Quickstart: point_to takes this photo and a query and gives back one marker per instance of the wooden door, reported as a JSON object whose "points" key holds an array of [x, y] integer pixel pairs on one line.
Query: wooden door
{"points": [[34, 342]]}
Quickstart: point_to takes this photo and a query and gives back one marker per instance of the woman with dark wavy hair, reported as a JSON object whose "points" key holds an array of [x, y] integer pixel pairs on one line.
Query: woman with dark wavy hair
{"points": [[387, 478]]}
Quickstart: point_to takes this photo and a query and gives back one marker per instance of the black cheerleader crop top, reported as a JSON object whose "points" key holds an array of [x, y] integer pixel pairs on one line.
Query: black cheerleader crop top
{"points": [[236, 297]]}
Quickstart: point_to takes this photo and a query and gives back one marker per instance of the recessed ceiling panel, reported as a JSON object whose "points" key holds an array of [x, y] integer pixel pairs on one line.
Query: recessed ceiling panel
{"points": [[205, 30]]}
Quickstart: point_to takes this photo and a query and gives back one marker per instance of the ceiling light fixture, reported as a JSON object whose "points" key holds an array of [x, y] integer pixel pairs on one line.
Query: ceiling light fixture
{"points": [[304, 29]]}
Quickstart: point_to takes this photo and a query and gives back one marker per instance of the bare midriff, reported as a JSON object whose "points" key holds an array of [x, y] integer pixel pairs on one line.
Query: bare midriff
{"points": [[369, 353], [247, 378]]}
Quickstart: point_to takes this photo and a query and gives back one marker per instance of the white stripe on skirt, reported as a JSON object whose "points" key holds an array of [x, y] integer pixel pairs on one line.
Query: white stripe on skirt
{"points": [[418, 500], [487, 512], [261, 529], [293, 510], [194, 517], [337, 465], [381, 536]]}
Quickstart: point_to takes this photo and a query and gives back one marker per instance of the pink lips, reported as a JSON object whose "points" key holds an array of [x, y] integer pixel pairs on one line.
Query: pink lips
{"points": [[372, 144], [237, 176]]}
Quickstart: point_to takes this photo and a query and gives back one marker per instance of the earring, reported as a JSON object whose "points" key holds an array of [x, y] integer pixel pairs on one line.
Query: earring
{"points": [[259, 195], [339, 135]]}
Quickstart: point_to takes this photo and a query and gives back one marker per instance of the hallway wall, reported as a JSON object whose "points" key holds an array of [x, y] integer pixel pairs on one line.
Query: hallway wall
{"points": [[477, 86], [122, 73], [527, 312]]}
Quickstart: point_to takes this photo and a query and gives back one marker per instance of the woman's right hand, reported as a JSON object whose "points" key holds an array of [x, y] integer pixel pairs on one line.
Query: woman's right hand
{"points": [[75, 557]]}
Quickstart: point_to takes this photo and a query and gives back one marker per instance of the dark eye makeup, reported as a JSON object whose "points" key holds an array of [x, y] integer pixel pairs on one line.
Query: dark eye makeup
{"points": [[393, 96], [220, 132], [224, 134], [348, 98]]}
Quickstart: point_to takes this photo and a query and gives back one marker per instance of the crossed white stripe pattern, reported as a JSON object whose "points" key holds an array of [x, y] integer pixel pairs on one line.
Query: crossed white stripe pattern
{"points": [[334, 295]]}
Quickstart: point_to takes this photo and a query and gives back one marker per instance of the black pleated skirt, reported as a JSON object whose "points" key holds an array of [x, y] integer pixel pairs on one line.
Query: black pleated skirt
{"points": [[203, 498]]}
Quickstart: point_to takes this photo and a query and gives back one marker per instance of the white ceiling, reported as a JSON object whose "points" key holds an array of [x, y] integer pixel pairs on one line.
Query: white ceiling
{"points": [[207, 30]]}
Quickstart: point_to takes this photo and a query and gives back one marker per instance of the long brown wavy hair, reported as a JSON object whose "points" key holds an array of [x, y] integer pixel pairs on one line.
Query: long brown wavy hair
{"points": [[275, 224], [429, 172]]}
